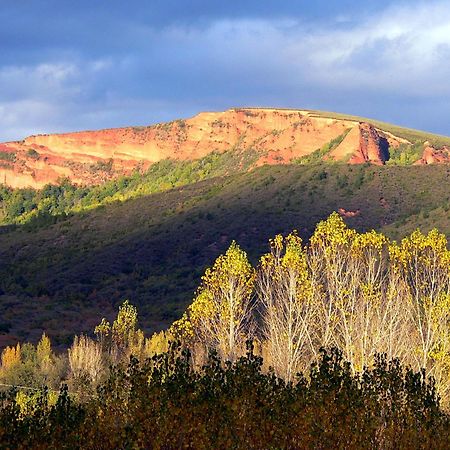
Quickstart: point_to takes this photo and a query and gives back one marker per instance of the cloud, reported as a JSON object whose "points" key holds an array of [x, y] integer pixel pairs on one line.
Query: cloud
{"points": [[24, 117], [67, 96], [391, 62], [43, 97], [43, 80], [404, 50], [393, 65]]}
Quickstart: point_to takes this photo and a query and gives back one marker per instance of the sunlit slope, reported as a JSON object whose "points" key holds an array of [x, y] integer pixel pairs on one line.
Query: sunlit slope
{"points": [[276, 136], [410, 134]]}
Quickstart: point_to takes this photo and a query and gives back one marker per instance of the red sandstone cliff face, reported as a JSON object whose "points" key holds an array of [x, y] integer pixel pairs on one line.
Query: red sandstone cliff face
{"points": [[279, 136], [432, 155], [364, 143], [373, 146]]}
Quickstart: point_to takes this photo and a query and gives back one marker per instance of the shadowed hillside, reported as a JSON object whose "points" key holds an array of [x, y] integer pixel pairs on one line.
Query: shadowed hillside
{"points": [[153, 249]]}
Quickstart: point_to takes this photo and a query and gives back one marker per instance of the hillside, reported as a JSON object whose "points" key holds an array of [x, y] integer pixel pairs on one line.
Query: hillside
{"points": [[276, 136], [140, 212], [152, 248]]}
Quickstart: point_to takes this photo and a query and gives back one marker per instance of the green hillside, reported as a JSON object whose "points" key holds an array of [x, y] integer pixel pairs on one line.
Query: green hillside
{"points": [[153, 248], [70, 254]]}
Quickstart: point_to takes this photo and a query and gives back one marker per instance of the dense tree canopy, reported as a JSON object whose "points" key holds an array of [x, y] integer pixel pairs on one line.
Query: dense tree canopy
{"points": [[343, 339]]}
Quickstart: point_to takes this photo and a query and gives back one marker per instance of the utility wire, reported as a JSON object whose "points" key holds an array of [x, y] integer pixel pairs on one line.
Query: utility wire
{"points": [[26, 387]]}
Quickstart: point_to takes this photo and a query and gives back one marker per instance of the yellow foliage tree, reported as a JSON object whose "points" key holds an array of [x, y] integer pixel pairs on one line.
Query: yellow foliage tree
{"points": [[422, 263], [220, 314], [157, 343], [44, 354], [123, 337], [85, 358], [359, 292], [103, 332], [11, 357], [123, 329]]}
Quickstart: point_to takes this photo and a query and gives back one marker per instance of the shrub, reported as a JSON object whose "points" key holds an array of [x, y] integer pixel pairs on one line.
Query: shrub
{"points": [[164, 403], [31, 153], [8, 156]]}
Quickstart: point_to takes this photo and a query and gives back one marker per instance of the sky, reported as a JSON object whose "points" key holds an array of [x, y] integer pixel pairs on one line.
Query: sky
{"points": [[73, 65]]}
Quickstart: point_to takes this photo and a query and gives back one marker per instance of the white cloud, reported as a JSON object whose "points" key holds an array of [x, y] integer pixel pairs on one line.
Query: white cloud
{"points": [[403, 50], [37, 81], [44, 97], [400, 54], [24, 117]]}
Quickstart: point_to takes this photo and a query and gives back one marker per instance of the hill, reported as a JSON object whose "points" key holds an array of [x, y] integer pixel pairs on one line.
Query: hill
{"points": [[141, 211], [150, 243], [275, 136]]}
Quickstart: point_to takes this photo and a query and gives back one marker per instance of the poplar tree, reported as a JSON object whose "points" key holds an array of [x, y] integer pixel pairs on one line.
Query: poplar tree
{"points": [[220, 315]]}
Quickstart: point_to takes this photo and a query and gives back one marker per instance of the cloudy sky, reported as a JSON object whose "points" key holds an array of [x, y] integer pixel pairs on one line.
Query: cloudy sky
{"points": [[71, 65]]}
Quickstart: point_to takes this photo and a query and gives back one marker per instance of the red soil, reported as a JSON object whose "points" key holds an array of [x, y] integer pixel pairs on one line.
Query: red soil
{"points": [[279, 136]]}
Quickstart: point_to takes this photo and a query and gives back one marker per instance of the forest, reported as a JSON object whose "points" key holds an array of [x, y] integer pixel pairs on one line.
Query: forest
{"points": [[44, 206], [340, 341]]}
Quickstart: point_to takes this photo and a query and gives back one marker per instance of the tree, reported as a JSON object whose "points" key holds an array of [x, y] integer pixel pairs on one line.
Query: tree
{"points": [[11, 357], [220, 315], [422, 263], [285, 292], [123, 337], [360, 308], [44, 355], [85, 359]]}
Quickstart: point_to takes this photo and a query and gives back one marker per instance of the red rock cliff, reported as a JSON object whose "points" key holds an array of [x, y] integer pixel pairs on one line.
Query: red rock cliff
{"points": [[91, 157], [432, 155]]}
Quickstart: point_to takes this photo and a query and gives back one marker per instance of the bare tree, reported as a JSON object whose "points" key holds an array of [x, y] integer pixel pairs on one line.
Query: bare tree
{"points": [[85, 358], [284, 290], [423, 266]]}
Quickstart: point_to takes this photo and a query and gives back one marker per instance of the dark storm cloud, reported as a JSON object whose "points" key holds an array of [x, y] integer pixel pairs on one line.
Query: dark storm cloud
{"points": [[77, 65]]}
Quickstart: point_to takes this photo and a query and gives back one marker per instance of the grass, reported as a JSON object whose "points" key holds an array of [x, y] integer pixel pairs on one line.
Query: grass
{"points": [[409, 134], [5, 156], [319, 154]]}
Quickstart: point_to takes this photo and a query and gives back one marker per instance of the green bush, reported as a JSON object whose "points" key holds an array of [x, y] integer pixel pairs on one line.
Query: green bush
{"points": [[163, 403], [31, 153], [8, 156]]}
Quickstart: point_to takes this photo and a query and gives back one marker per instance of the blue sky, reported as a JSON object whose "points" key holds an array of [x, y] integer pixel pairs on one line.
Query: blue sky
{"points": [[67, 65]]}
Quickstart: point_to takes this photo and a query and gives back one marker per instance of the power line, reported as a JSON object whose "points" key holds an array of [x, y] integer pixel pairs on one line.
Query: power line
{"points": [[26, 387]]}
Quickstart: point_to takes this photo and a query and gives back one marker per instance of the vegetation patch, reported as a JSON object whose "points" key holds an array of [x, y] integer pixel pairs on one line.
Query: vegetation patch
{"points": [[8, 156], [318, 155], [405, 154], [121, 242], [342, 340]]}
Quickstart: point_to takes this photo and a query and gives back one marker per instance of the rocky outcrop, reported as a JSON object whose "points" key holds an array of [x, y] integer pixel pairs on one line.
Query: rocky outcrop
{"points": [[432, 155], [364, 143], [347, 213], [373, 146], [278, 136]]}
